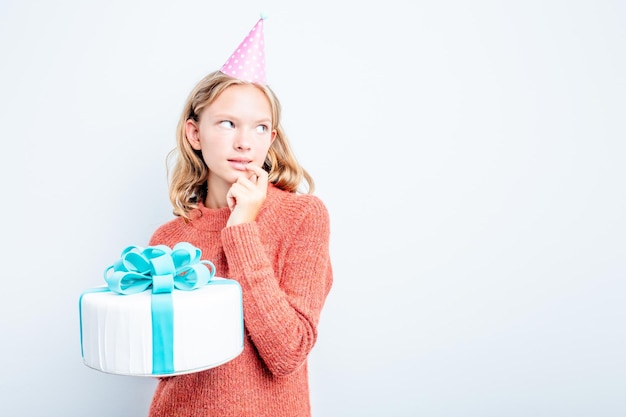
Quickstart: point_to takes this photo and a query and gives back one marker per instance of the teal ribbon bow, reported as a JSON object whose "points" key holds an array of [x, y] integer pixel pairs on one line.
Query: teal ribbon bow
{"points": [[164, 270]]}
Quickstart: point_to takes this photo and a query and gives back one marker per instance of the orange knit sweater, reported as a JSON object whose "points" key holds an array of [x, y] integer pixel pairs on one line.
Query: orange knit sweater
{"points": [[282, 263]]}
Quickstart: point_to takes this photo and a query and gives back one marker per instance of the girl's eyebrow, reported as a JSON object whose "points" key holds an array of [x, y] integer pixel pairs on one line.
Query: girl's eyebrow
{"points": [[223, 116], [230, 116]]}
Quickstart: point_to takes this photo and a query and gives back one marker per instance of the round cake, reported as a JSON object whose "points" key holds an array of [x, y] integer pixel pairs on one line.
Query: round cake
{"points": [[204, 328]]}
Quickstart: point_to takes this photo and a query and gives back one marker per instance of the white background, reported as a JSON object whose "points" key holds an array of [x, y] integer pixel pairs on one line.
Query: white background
{"points": [[471, 155]]}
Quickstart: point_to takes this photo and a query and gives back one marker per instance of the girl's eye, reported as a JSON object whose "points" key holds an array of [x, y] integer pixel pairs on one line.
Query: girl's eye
{"points": [[262, 128], [227, 123]]}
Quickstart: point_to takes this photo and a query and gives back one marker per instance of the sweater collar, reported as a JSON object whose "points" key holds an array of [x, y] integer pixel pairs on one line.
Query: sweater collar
{"points": [[204, 218]]}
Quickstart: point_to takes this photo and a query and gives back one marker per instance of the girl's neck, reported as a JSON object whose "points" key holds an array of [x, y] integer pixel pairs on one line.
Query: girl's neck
{"points": [[216, 195], [214, 202]]}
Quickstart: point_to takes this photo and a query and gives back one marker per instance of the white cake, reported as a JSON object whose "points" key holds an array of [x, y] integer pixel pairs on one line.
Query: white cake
{"points": [[116, 329]]}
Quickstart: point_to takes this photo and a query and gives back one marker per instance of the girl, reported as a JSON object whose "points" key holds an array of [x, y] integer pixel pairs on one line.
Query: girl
{"points": [[234, 188]]}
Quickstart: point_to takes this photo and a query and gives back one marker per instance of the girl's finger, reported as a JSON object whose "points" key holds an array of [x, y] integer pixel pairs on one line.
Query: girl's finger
{"points": [[258, 171]]}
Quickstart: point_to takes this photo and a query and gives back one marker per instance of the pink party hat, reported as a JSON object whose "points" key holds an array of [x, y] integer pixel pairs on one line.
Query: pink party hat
{"points": [[247, 63]]}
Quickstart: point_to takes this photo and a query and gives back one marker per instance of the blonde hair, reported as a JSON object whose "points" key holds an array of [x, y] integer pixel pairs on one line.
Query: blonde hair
{"points": [[188, 177]]}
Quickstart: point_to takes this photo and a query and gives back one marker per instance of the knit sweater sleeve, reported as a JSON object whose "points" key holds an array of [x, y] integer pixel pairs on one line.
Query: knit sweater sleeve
{"points": [[283, 297]]}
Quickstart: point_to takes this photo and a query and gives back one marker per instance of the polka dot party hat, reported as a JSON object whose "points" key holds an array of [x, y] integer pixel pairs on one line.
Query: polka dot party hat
{"points": [[247, 63]]}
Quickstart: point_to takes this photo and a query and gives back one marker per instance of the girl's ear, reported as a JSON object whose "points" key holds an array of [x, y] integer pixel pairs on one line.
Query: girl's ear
{"points": [[193, 134], [273, 136]]}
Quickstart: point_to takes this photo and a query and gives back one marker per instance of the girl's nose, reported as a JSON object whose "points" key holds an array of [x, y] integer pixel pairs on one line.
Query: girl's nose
{"points": [[242, 141]]}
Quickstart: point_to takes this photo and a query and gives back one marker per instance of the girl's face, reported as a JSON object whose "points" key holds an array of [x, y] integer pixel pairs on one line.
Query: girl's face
{"points": [[235, 130]]}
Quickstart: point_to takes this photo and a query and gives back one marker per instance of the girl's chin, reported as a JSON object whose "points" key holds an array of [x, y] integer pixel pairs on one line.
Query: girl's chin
{"points": [[223, 181]]}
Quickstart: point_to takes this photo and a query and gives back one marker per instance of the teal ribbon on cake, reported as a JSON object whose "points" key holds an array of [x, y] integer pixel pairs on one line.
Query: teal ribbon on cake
{"points": [[164, 270]]}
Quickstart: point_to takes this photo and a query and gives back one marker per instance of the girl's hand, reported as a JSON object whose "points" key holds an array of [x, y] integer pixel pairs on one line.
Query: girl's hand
{"points": [[246, 196]]}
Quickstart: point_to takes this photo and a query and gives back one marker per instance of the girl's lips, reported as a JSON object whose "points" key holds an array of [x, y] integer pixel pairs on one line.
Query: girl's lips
{"points": [[239, 164]]}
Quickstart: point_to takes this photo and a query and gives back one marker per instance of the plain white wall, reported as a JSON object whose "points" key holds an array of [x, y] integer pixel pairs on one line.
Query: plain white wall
{"points": [[471, 155]]}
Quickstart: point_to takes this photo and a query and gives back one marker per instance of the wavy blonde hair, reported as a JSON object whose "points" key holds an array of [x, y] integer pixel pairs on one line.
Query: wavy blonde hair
{"points": [[188, 176]]}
